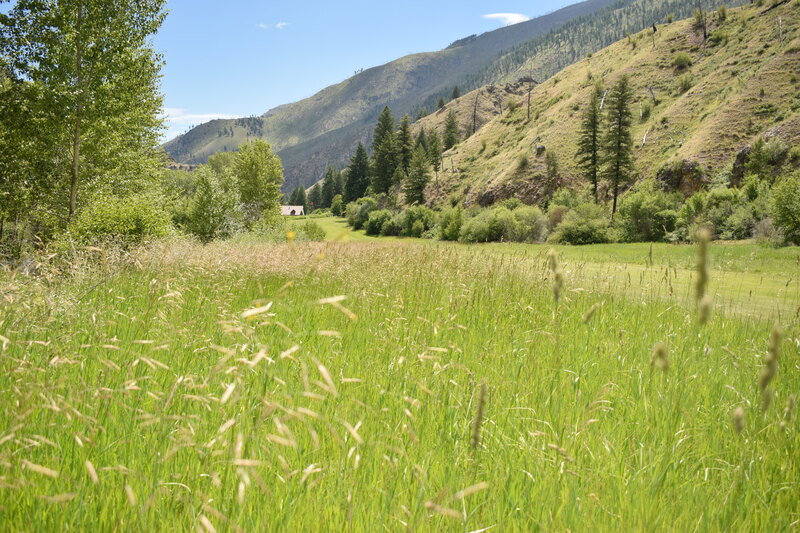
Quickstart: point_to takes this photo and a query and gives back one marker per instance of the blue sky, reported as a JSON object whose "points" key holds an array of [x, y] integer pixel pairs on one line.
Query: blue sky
{"points": [[244, 57]]}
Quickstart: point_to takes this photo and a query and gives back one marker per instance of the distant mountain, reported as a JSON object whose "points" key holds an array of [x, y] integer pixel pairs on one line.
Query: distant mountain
{"points": [[326, 127], [690, 124]]}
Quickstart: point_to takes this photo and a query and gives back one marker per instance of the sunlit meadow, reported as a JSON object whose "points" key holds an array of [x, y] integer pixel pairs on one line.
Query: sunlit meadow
{"points": [[398, 386]]}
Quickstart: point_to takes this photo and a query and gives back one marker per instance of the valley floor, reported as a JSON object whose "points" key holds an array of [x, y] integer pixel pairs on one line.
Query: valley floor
{"points": [[400, 385]]}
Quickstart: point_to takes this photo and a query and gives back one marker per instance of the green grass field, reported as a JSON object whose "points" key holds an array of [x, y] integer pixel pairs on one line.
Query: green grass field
{"points": [[399, 385]]}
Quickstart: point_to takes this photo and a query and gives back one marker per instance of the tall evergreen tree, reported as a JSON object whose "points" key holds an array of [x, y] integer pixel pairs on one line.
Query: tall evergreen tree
{"points": [[456, 93], [405, 144], [314, 198], [435, 151], [298, 197], [589, 142], [417, 178], [384, 152], [422, 139], [357, 175], [328, 188], [618, 144], [452, 134], [441, 103]]}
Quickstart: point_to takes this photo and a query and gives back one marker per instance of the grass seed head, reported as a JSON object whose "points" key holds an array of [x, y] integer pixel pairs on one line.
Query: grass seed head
{"points": [[476, 425], [703, 237], [738, 419], [659, 357], [705, 310]]}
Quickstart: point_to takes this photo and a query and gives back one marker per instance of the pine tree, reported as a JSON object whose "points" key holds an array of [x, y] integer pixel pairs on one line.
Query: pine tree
{"points": [[384, 152], [418, 178], [441, 103], [298, 197], [435, 151], [314, 198], [452, 134], [405, 145], [618, 144], [589, 141], [456, 93], [328, 188], [357, 175], [422, 139]]}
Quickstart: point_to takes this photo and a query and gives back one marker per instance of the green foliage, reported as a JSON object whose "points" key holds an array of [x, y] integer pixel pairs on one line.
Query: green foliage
{"points": [[405, 145], [357, 212], [129, 220], [646, 213], [357, 175], [684, 83], [259, 175], [418, 178], [452, 133], [501, 224], [450, 221], [307, 230], [212, 211], [681, 61], [586, 224], [80, 111], [618, 143], [386, 153], [337, 205], [298, 197], [376, 220], [785, 208]]}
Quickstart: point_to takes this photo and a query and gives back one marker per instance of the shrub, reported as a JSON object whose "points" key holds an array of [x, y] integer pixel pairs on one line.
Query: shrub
{"points": [[358, 211], [646, 213], [490, 225], [586, 224], [308, 230], [450, 222], [212, 212], [785, 208], [530, 225], [376, 220], [684, 83], [130, 220], [681, 61], [408, 218]]}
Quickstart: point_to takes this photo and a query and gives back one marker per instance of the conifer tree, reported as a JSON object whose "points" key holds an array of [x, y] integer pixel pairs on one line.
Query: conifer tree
{"points": [[405, 145], [328, 188], [441, 103], [384, 152], [314, 198], [298, 197], [435, 151], [456, 93], [417, 178], [618, 144], [589, 141], [422, 139], [357, 175], [452, 135]]}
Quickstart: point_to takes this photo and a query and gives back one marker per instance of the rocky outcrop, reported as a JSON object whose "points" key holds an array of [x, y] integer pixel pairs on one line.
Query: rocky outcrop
{"points": [[686, 177]]}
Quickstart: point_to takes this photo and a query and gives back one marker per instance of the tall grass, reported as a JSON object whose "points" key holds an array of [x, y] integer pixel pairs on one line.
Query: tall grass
{"points": [[395, 386]]}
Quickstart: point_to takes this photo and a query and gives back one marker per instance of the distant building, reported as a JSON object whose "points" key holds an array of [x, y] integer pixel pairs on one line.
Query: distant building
{"points": [[292, 210]]}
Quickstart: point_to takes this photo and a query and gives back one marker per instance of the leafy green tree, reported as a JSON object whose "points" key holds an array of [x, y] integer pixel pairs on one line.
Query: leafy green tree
{"points": [[384, 152], [86, 76], [589, 142], [337, 205], [618, 144], [259, 174], [452, 134], [418, 177], [211, 207], [405, 145], [785, 208], [357, 175]]}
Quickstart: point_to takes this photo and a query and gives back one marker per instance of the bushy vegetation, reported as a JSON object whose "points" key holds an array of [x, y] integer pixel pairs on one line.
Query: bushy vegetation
{"points": [[128, 220]]}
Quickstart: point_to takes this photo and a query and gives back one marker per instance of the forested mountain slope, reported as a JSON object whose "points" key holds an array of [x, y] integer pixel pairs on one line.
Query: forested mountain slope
{"points": [[690, 123]]}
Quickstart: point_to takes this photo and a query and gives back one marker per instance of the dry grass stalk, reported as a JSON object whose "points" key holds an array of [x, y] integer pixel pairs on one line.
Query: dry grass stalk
{"points": [[39, 469], [558, 277], [703, 238], [705, 310], [788, 411], [770, 368], [476, 425], [91, 471], [659, 357], [590, 313], [738, 419]]}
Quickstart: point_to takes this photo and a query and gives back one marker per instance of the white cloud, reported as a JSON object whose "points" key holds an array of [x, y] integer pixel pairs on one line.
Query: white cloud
{"points": [[178, 120], [507, 18], [277, 26]]}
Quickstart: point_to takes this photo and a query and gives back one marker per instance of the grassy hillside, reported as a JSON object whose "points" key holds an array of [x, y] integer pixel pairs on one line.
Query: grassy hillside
{"points": [[742, 84], [344, 113]]}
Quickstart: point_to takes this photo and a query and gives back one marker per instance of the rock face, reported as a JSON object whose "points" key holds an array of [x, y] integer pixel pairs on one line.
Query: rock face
{"points": [[686, 177]]}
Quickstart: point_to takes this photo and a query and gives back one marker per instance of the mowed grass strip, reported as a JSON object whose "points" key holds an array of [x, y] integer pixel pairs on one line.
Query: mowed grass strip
{"points": [[387, 386]]}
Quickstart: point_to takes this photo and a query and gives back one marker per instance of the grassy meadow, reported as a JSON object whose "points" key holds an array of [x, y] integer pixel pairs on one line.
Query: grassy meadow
{"points": [[401, 385]]}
